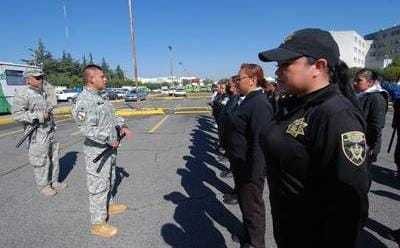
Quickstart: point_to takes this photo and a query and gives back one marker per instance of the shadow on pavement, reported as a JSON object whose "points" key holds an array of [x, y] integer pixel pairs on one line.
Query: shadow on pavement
{"points": [[199, 208], [368, 240], [120, 174], [384, 176], [67, 163], [387, 194]]}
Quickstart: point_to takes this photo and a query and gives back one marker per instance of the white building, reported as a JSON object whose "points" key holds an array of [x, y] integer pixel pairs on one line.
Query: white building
{"points": [[166, 79], [353, 47]]}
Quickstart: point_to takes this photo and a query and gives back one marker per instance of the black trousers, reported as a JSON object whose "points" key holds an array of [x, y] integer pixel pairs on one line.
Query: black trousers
{"points": [[397, 151], [251, 203]]}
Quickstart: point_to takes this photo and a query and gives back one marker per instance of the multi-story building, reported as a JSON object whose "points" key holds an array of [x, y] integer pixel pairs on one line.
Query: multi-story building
{"points": [[353, 47], [385, 46]]}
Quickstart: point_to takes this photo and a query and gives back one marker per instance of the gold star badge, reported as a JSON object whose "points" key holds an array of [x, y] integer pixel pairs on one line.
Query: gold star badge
{"points": [[296, 128]]}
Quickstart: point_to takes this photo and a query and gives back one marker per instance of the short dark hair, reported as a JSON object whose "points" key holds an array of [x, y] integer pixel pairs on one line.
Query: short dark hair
{"points": [[367, 74], [90, 67]]}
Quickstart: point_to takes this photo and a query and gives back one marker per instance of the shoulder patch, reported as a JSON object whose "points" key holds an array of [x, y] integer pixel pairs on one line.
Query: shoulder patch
{"points": [[297, 127], [354, 147], [81, 115]]}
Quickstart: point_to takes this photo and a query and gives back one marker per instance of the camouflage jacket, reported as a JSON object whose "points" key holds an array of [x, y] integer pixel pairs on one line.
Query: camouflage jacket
{"points": [[96, 118], [30, 104]]}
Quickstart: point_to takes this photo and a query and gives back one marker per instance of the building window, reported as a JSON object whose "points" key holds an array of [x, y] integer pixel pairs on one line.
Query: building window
{"points": [[15, 77]]}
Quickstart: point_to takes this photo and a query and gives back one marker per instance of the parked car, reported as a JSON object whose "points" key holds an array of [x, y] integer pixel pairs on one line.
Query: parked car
{"points": [[121, 92], [172, 91], [180, 92], [164, 90], [135, 95], [67, 95], [110, 95]]}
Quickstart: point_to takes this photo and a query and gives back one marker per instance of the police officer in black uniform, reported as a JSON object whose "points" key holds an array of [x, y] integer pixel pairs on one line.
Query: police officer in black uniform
{"points": [[247, 159], [374, 104], [316, 153]]}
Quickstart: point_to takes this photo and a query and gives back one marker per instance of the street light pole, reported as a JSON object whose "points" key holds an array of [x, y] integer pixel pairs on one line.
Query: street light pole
{"points": [[171, 64], [132, 25]]}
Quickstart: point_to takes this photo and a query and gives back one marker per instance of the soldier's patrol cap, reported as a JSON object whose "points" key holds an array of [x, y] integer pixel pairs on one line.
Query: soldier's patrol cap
{"points": [[310, 42], [33, 73]]}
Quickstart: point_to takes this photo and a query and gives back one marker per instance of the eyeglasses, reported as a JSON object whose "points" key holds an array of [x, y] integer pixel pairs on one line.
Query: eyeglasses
{"points": [[240, 78], [38, 77]]}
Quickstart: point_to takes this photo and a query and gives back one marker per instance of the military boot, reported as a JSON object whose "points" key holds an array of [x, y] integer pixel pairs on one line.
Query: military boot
{"points": [[48, 191], [115, 208], [57, 186], [103, 230]]}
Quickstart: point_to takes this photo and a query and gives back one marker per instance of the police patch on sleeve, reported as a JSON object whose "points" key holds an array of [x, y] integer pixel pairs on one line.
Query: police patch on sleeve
{"points": [[81, 115], [354, 147]]}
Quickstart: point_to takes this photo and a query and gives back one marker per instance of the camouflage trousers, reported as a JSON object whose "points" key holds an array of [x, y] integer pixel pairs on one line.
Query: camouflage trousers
{"points": [[45, 162], [100, 185]]}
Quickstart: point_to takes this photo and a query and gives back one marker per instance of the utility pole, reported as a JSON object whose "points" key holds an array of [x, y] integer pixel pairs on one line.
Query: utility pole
{"points": [[171, 64], [132, 27]]}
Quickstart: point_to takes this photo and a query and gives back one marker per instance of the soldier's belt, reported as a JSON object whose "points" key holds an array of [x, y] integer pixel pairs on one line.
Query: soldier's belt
{"points": [[92, 143]]}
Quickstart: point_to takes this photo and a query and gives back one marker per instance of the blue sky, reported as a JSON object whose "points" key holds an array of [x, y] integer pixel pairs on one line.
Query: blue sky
{"points": [[210, 38]]}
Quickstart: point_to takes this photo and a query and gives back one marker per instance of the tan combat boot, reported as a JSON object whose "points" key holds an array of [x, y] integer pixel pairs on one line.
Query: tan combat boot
{"points": [[48, 191], [115, 208], [57, 186], [103, 230]]}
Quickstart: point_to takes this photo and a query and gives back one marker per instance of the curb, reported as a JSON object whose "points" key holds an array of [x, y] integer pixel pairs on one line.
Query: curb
{"points": [[6, 121], [139, 112]]}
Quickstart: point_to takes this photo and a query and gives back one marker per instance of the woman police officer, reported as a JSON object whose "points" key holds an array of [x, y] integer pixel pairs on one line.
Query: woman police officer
{"points": [[316, 153]]}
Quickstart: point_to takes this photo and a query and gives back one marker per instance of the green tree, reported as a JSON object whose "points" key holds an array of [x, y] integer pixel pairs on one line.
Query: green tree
{"points": [[91, 61], [119, 73], [40, 56], [208, 81], [84, 62], [392, 72]]}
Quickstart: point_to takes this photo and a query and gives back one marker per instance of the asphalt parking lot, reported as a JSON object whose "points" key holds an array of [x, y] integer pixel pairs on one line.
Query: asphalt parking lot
{"points": [[169, 177]]}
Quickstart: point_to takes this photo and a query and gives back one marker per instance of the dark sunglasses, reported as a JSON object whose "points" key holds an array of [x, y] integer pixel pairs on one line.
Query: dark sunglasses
{"points": [[357, 80], [38, 77]]}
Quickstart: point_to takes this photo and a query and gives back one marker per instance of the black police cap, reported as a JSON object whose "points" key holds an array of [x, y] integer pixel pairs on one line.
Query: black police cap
{"points": [[310, 42]]}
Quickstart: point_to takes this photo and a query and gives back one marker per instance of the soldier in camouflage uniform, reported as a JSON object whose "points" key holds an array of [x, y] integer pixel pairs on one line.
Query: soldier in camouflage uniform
{"points": [[30, 104], [97, 121]]}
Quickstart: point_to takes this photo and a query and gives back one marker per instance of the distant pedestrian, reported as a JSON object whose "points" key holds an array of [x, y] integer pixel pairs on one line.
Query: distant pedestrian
{"points": [[394, 91], [374, 104]]}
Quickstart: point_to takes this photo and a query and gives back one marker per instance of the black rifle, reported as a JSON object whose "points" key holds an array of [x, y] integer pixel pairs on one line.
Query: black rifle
{"points": [[108, 150], [28, 132], [391, 140]]}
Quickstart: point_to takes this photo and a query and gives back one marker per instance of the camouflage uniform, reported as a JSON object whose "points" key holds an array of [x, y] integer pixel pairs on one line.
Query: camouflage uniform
{"points": [[30, 104], [96, 119]]}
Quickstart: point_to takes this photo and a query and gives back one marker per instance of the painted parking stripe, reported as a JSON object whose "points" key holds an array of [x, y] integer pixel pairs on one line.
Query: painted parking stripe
{"points": [[158, 125]]}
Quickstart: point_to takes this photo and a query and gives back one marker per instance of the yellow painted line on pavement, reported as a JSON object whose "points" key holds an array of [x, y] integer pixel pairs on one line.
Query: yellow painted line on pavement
{"points": [[192, 108], [192, 112], [139, 112], [158, 125], [6, 121]]}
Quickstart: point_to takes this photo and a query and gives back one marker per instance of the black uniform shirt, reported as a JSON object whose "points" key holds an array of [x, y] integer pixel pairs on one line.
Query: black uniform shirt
{"points": [[316, 156], [244, 126], [374, 106]]}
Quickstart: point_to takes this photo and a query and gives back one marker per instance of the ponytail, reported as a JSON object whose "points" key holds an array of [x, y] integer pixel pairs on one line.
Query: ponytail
{"points": [[339, 75]]}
